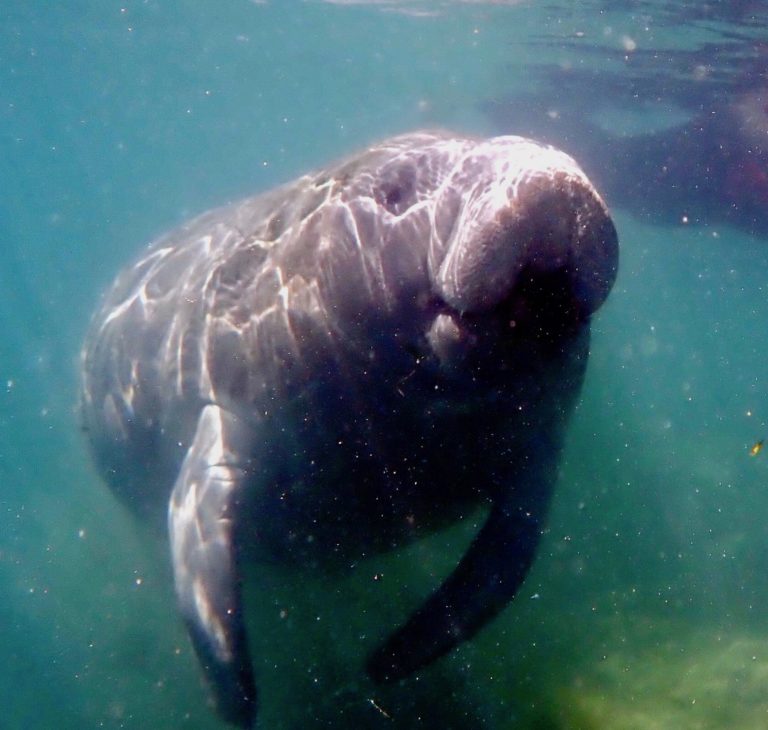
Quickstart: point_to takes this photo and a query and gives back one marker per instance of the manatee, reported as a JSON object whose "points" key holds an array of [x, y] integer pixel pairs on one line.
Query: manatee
{"points": [[340, 365]]}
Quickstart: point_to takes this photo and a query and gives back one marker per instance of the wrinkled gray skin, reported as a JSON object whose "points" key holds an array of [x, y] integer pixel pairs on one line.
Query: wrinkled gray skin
{"points": [[337, 366]]}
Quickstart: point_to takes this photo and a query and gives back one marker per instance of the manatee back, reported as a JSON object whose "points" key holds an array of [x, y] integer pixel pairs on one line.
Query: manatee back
{"points": [[241, 302]]}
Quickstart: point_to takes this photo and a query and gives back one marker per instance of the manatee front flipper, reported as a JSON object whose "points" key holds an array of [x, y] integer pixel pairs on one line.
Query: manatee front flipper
{"points": [[486, 578], [201, 518]]}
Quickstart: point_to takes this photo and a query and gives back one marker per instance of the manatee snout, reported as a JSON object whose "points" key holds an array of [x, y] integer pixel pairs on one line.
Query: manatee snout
{"points": [[541, 235]]}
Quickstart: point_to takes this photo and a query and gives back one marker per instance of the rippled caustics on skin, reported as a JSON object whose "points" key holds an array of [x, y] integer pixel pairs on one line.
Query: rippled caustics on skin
{"points": [[336, 367]]}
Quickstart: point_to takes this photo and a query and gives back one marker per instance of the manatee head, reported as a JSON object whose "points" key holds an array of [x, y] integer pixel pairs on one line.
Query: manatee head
{"points": [[519, 229]]}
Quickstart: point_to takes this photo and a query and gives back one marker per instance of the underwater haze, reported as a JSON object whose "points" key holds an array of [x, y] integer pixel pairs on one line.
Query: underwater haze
{"points": [[646, 607]]}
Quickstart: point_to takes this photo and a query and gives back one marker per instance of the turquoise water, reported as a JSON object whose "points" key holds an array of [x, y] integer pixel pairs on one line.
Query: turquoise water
{"points": [[646, 606]]}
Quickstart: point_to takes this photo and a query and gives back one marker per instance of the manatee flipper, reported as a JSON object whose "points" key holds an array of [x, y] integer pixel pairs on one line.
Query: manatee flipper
{"points": [[486, 578], [201, 517]]}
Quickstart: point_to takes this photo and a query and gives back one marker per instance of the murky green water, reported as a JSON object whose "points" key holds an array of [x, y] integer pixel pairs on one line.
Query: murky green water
{"points": [[645, 608]]}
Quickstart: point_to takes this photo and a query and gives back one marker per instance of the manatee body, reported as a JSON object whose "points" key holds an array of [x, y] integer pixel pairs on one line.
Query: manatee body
{"points": [[339, 365]]}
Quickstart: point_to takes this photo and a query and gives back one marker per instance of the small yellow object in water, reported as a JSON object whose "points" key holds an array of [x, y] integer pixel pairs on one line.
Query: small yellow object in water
{"points": [[757, 448]]}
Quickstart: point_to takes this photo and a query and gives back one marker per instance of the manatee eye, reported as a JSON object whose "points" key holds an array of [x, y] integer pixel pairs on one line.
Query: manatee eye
{"points": [[396, 191], [392, 197]]}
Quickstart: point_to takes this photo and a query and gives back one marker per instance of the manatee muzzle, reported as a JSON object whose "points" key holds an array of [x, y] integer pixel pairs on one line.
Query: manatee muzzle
{"points": [[547, 232]]}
